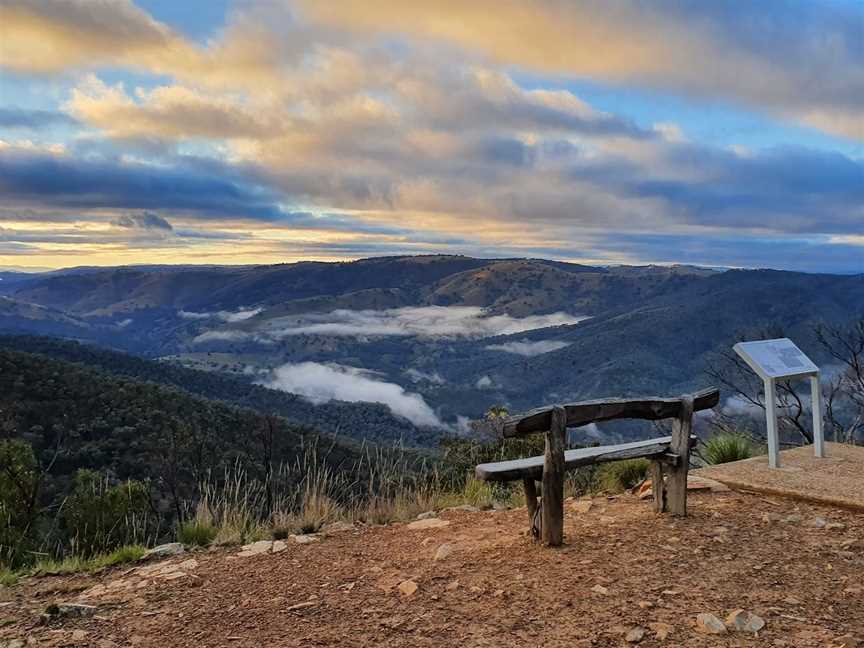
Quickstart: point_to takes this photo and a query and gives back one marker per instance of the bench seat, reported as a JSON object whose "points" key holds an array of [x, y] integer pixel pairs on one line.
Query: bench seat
{"points": [[532, 467]]}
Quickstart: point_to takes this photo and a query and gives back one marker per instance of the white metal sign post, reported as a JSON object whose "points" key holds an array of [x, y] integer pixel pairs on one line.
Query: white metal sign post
{"points": [[780, 359]]}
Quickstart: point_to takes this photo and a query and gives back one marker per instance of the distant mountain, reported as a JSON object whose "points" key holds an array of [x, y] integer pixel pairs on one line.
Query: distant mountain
{"points": [[451, 335]]}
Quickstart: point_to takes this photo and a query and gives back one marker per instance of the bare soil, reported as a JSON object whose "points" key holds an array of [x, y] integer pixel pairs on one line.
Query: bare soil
{"points": [[495, 588]]}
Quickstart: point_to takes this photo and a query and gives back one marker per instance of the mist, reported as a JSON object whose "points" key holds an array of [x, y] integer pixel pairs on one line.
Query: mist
{"points": [[321, 383]]}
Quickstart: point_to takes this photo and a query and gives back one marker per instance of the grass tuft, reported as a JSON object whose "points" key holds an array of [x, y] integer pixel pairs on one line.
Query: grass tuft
{"points": [[728, 446], [619, 476]]}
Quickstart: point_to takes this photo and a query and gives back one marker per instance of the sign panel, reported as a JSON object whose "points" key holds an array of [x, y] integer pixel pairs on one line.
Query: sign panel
{"points": [[776, 358]]}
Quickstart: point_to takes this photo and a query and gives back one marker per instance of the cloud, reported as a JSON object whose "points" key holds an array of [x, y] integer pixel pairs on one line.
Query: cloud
{"points": [[423, 321], [225, 316], [145, 221], [798, 60], [11, 117], [321, 383], [527, 348]]}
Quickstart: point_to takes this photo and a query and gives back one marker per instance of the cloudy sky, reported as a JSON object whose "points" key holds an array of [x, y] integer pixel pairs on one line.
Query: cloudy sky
{"points": [[723, 133]]}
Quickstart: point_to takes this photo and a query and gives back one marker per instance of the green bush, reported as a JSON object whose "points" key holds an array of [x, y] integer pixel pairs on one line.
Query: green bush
{"points": [[100, 518], [728, 446], [75, 564], [619, 476], [196, 533], [20, 479]]}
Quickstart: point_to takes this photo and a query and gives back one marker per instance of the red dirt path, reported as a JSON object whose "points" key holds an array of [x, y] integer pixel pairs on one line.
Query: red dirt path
{"points": [[496, 588]]}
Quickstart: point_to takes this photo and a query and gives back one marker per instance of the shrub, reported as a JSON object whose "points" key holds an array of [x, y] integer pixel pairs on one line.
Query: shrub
{"points": [[619, 476], [100, 518], [19, 488], [199, 530], [728, 446]]}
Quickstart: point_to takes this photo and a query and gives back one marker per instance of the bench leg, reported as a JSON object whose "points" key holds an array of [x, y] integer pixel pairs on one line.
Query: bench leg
{"points": [[677, 485], [658, 486], [531, 502], [552, 527]]}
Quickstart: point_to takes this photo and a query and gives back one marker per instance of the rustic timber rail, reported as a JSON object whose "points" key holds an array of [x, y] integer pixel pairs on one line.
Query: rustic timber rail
{"points": [[670, 455]]}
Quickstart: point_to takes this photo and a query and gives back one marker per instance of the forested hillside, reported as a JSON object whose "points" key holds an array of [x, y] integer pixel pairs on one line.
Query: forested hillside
{"points": [[371, 422], [78, 417]]}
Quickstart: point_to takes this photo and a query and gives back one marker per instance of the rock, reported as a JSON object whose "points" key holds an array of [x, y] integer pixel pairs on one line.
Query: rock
{"points": [[744, 621], [278, 545], [599, 589], [582, 506], [255, 548], [300, 606], [408, 588], [707, 623], [661, 630], [452, 585], [306, 538], [164, 551], [636, 635], [12, 643], [68, 610], [443, 551], [645, 605], [338, 527], [426, 516], [428, 523], [79, 635], [464, 507], [818, 522], [792, 518], [835, 526]]}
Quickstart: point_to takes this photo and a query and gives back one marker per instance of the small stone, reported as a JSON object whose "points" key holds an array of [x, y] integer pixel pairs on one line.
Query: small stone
{"points": [[428, 523], [443, 551], [818, 522], [408, 588], [607, 519], [278, 545], [426, 516], [707, 623], [599, 589], [835, 526], [793, 518], [165, 551], [452, 585], [744, 621], [300, 606], [306, 538], [645, 605], [635, 635], [74, 610], [661, 630], [79, 635]]}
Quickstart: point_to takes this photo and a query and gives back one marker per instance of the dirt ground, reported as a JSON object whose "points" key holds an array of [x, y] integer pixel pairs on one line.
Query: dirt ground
{"points": [[799, 566]]}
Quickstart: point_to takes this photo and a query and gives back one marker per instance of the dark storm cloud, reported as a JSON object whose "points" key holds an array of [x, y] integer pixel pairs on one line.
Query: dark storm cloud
{"points": [[40, 178], [145, 221]]}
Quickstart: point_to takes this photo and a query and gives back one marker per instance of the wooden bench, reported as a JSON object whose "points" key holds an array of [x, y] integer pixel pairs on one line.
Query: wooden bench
{"points": [[670, 455]]}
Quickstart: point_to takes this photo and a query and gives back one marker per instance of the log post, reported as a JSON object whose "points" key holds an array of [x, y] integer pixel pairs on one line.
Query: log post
{"points": [[658, 486], [531, 503], [552, 527], [677, 484]]}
